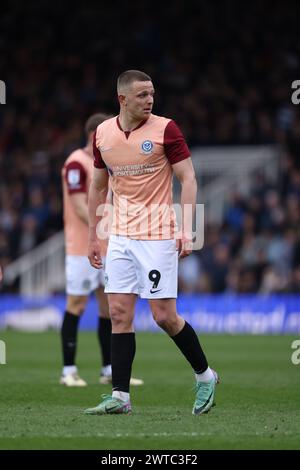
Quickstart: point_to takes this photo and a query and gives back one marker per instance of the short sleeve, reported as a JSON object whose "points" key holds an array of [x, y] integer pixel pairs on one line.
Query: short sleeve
{"points": [[76, 178], [175, 145], [98, 162]]}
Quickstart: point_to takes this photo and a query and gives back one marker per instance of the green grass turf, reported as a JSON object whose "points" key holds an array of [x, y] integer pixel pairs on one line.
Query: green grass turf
{"points": [[258, 400]]}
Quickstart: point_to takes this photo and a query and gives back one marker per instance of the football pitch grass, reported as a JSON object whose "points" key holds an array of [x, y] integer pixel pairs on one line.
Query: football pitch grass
{"points": [[258, 399]]}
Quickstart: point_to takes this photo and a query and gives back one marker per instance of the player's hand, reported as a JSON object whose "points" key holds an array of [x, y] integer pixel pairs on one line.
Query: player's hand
{"points": [[184, 245], [94, 254]]}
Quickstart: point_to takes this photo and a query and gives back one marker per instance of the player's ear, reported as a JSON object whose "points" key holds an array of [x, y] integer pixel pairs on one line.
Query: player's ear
{"points": [[122, 100]]}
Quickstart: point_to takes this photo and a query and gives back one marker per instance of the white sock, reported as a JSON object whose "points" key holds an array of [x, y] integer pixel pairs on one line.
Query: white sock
{"points": [[106, 371], [69, 370], [206, 376], [124, 396]]}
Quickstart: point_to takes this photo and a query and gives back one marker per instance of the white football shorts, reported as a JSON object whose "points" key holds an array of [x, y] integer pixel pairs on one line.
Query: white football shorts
{"points": [[148, 268], [81, 277]]}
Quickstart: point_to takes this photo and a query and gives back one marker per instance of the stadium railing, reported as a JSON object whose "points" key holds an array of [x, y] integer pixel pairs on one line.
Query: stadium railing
{"points": [[41, 271]]}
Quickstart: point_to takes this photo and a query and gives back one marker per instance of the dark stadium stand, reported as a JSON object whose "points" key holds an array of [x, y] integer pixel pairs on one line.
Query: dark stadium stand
{"points": [[227, 83]]}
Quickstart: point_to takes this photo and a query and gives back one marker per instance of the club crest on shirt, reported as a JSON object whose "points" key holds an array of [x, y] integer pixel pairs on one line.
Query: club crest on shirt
{"points": [[73, 177], [147, 147]]}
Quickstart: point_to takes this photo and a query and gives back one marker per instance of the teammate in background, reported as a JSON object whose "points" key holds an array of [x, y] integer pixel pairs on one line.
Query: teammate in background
{"points": [[141, 152], [81, 278]]}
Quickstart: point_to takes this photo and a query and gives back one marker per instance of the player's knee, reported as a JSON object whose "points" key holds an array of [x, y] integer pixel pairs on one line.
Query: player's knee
{"points": [[104, 313], [164, 318], [162, 322], [118, 314], [76, 305]]}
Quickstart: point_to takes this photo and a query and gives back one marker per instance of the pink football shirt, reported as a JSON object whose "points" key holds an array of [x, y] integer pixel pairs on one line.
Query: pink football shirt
{"points": [[140, 168], [76, 177]]}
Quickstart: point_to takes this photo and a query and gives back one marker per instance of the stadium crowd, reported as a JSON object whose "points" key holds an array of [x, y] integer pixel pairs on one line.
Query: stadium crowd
{"points": [[225, 77]]}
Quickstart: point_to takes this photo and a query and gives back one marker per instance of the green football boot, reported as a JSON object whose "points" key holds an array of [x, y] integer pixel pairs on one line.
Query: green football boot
{"points": [[110, 405], [205, 393]]}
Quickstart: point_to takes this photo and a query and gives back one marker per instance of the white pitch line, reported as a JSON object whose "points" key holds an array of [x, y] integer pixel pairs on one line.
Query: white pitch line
{"points": [[155, 434]]}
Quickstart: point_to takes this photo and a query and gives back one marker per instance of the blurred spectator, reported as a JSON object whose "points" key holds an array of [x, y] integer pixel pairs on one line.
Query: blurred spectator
{"points": [[235, 212], [272, 281], [189, 273], [29, 234], [247, 282], [218, 268], [37, 207]]}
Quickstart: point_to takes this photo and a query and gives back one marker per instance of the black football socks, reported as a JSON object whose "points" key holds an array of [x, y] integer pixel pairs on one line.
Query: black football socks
{"points": [[122, 355], [104, 337], [69, 338], [188, 343]]}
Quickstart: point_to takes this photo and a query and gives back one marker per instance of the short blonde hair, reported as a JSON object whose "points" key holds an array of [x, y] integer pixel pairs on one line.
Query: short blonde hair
{"points": [[130, 76]]}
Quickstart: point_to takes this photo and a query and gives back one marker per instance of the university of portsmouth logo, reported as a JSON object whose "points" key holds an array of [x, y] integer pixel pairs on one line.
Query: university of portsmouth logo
{"points": [[147, 147]]}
